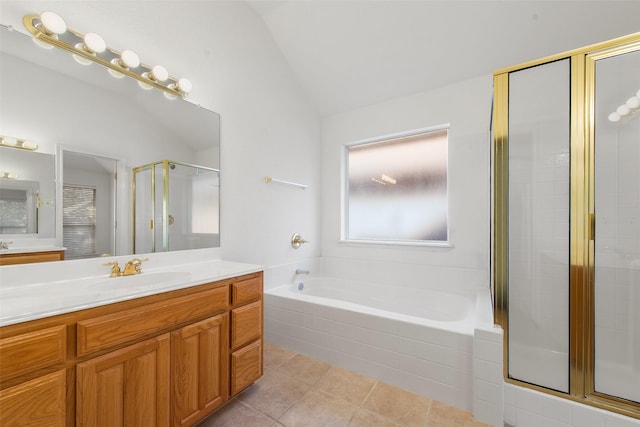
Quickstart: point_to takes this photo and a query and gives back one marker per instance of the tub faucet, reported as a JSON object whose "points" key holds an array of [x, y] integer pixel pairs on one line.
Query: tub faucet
{"points": [[302, 271]]}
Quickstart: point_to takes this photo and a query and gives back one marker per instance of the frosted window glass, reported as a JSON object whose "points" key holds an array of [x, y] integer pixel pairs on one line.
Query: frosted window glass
{"points": [[397, 189], [539, 174]]}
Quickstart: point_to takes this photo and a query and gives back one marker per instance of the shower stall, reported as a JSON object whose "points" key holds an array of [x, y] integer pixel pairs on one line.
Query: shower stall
{"points": [[175, 207], [566, 244]]}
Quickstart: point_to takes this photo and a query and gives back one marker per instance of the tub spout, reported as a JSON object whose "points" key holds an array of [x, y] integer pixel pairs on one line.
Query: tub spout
{"points": [[302, 271]]}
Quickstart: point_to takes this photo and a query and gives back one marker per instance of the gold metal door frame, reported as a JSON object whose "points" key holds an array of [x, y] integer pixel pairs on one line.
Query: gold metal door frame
{"points": [[582, 219]]}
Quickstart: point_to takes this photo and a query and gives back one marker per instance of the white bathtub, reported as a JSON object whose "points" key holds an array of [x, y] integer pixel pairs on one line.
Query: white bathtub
{"points": [[418, 339]]}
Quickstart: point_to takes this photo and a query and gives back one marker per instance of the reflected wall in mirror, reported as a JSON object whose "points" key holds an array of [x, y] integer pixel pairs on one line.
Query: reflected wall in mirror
{"points": [[27, 199], [50, 99]]}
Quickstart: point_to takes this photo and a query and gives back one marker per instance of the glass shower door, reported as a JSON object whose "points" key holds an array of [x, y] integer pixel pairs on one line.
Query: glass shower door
{"points": [[616, 157], [538, 225]]}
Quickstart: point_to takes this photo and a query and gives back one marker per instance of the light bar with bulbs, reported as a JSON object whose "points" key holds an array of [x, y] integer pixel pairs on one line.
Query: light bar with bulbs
{"points": [[49, 30], [23, 144], [631, 106]]}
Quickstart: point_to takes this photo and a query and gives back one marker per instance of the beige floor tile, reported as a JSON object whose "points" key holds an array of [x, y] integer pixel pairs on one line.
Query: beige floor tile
{"points": [[236, 414], [317, 409], [305, 368], [443, 415], [364, 418], [274, 393], [404, 407], [275, 356], [345, 384]]}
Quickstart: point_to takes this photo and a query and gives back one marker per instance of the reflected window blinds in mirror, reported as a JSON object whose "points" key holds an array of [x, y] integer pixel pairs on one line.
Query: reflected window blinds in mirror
{"points": [[49, 29]]}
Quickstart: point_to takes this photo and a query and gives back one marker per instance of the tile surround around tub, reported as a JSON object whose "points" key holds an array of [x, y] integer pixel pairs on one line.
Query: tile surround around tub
{"points": [[297, 390], [530, 408]]}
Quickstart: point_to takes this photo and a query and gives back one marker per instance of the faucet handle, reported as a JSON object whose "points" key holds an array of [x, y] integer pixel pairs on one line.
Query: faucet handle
{"points": [[115, 270], [297, 240]]}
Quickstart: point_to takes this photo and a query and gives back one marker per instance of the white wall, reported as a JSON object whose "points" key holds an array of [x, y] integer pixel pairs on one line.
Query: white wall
{"points": [[267, 126], [466, 106]]}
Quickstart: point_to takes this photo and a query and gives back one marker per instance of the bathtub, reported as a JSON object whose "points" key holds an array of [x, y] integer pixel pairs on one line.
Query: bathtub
{"points": [[419, 339]]}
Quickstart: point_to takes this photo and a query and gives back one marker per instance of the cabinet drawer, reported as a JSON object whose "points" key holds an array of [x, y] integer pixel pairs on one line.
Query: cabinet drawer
{"points": [[28, 352], [246, 290], [246, 324], [246, 366], [118, 328], [39, 402]]}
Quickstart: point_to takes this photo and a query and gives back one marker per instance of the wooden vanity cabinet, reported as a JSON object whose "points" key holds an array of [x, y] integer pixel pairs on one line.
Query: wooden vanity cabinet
{"points": [[246, 333], [32, 364], [127, 387], [166, 359], [31, 257], [199, 365]]}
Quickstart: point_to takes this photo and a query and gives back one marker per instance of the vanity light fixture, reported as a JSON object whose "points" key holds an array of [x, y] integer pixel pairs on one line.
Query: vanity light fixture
{"points": [[49, 29], [631, 106], [7, 141], [8, 175]]}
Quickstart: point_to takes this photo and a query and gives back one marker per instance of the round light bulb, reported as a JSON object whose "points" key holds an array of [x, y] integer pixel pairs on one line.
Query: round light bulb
{"points": [[28, 145], [11, 142], [52, 22], [614, 117], [81, 59], [130, 59], [184, 85], [623, 110], [93, 43], [159, 73], [114, 73], [144, 85], [169, 95], [42, 43], [633, 102]]}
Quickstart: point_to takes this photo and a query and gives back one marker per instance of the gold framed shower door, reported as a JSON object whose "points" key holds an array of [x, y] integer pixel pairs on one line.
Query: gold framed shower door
{"points": [[582, 219]]}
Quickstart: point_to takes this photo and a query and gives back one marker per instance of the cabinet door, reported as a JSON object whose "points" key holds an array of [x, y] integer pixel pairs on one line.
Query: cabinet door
{"points": [[127, 387], [39, 402], [200, 369], [246, 366]]}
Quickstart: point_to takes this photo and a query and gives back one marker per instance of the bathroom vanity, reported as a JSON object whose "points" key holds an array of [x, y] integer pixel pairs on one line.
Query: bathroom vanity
{"points": [[142, 356], [11, 258]]}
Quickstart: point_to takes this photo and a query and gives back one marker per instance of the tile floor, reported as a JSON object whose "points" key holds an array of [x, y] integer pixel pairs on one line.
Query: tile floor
{"points": [[297, 390]]}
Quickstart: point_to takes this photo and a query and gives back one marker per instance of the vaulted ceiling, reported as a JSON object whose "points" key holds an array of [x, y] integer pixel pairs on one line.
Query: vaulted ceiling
{"points": [[351, 53]]}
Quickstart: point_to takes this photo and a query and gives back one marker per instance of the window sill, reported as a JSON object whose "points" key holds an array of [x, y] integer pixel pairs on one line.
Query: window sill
{"points": [[430, 244]]}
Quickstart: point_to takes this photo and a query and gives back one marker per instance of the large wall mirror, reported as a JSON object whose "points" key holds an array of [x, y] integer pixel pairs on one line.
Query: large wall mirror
{"points": [[95, 128]]}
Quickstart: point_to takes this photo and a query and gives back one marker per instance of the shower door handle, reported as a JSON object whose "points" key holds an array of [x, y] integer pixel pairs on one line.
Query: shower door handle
{"points": [[592, 226]]}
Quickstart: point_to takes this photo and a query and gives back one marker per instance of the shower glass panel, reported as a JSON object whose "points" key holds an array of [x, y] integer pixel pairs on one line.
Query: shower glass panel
{"points": [[176, 207], [538, 225], [617, 242], [143, 215], [193, 207]]}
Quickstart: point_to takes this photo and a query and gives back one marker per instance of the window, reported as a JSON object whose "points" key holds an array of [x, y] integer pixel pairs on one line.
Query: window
{"points": [[79, 221], [396, 189]]}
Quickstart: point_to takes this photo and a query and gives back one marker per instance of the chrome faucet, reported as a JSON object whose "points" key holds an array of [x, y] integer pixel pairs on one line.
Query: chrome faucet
{"points": [[132, 267], [4, 245], [302, 271]]}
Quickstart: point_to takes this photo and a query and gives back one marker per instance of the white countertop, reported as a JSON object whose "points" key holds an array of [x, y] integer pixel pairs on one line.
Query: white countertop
{"points": [[21, 302]]}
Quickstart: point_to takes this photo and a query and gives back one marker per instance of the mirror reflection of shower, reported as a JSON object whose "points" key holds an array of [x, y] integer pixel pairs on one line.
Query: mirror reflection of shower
{"points": [[175, 207]]}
